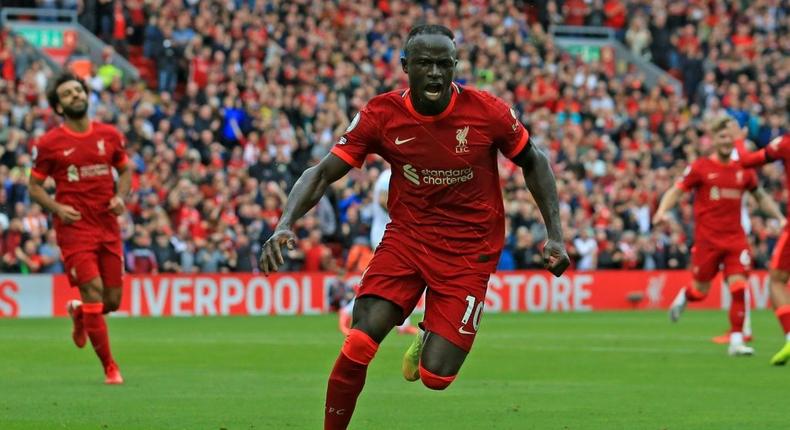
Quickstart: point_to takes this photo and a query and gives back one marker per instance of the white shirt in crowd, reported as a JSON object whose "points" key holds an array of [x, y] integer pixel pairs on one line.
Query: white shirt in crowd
{"points": [[380, 215], [587, 249]]}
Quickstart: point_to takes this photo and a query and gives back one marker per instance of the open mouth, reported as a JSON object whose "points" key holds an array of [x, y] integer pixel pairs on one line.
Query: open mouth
{"points": [[433, 91]]}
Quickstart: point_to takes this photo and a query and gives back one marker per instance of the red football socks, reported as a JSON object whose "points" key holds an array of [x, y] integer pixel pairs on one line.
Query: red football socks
{"points": [[694, 295], [347, 379], [97, 331], [783, 315], [434, 381], [738, 306]]}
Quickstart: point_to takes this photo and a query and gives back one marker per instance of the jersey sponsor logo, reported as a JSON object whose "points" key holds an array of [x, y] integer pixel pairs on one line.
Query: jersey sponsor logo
{"points": [[437, 176], [94, 170], [100, 145], [67, 152], [398, 140], [72, 175], [717, 193], [411, 174], [354, 122], [460, 136]]}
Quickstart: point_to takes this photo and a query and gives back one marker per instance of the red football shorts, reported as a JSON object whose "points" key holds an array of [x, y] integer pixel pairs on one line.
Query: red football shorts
{"points": [[706, 260], [456, 287], [781, 257], [104, 260]]}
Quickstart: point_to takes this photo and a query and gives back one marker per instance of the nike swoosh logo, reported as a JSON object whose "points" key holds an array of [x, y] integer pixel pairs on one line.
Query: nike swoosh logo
{"points": [[462, 331], [68, 152], [401, 142]]}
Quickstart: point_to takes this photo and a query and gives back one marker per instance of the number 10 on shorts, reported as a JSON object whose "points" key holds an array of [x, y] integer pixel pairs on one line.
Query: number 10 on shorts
{"points": [[470, 300]]}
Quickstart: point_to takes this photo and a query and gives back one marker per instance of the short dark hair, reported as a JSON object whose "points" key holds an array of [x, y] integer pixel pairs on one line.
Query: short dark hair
{"points": [[52, 91], [426, 29]]}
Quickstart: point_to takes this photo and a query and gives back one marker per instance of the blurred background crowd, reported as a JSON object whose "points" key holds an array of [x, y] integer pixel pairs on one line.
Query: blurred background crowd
{"points": [[240, 96]]}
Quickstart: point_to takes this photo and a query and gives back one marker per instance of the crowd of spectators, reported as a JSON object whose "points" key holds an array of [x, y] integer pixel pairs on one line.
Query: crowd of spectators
{"points": [[249, 93]]}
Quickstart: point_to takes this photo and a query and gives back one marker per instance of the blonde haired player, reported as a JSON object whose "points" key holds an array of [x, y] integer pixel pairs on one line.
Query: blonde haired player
{"points": [[719, 184]]}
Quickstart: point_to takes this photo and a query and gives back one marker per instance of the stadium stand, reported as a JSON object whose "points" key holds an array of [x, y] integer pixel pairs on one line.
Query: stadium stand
{"points": [[238, 97]]}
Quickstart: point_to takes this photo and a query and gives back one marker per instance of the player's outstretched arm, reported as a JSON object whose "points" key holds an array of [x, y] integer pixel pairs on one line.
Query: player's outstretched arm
{"points": [[668, 201], [39, 195], [542, 184], [748, 158], [768, 205], [306, 193]]}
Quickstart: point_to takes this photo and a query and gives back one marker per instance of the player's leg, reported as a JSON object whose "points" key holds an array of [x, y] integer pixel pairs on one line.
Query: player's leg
{"points": [[704, 266], [112, 299], [389, 290], [111, 270], [737, 315], [440, 362], [80, 268], [737, 264], [780, 297], [96, 327], [453, 310], [95, 295], [698, 291], [373, 318]]}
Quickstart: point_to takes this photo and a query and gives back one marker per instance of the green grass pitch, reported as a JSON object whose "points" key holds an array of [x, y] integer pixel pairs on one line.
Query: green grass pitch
{"points": [[624, 370]]}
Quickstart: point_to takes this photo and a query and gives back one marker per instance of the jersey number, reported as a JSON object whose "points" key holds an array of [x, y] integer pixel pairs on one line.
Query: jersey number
{"points": [[470, 300]]}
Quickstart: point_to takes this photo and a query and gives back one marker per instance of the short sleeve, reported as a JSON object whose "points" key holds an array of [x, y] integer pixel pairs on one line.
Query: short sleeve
{"points": [[43, 163], [692, 178], [509, 135], [119, 157], [779, 148], [359, 138]]}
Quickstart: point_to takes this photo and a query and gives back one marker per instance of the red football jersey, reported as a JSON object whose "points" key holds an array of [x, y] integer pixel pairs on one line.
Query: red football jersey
{"points": [[81, 165], [444, 194], [718, 196]]}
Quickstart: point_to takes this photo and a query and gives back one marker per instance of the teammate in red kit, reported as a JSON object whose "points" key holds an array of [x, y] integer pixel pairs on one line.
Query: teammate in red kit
{"points": [[718, 183], [777, 149], [447, 227], [80, 155]]}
